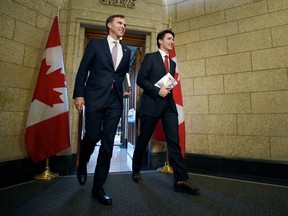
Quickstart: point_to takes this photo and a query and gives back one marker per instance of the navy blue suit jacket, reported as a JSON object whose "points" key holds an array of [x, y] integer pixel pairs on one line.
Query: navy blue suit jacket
{"points": [[96, 73], [152, 69]]}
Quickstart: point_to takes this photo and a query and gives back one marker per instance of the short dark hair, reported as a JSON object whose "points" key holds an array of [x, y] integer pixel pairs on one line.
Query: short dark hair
{"points": [[111, 18], [162, 34]]}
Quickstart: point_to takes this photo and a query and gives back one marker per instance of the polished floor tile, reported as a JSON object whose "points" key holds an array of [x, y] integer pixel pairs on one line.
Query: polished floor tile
{"points": [[120, 161]]}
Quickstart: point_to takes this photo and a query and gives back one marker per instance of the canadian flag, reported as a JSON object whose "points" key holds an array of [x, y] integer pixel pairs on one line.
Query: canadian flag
{"points": [[47, 130], [177, 95]]}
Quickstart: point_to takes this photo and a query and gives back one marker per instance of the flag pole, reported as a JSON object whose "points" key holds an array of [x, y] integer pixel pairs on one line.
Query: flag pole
{"points": [[47, 174], [167, 169], [58, 11]]}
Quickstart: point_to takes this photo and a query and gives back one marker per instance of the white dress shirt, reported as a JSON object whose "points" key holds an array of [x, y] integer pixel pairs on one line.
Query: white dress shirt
{"points": [[120, 51]]}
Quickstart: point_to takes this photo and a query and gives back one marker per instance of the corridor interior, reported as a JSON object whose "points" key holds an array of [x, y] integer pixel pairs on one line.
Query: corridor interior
{"points": [[120, 161]]}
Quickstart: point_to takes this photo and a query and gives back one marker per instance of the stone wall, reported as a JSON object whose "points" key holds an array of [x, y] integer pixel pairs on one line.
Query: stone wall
{"points": [[25, 25], [233, 60], [232, 57]]}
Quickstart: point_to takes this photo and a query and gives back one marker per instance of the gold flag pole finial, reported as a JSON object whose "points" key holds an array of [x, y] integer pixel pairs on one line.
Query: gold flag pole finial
{"points": [[170, 23], [58, 11]]}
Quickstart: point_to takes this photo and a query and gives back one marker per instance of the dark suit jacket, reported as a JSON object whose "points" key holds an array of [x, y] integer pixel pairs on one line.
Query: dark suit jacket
{"points": [[96, 73], [152, 69]]}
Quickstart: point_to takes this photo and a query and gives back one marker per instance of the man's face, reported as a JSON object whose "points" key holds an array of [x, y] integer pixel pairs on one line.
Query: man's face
{"points": [[167, 43], [117, 27]]}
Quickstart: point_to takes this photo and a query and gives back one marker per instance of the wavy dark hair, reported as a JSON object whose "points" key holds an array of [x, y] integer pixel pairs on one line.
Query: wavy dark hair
{"points": [[111, 18], [162, 34]]}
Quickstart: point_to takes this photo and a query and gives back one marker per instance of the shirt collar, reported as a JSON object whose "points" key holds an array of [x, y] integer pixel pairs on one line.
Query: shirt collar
{"points": [[163, 54], [110, 39]]}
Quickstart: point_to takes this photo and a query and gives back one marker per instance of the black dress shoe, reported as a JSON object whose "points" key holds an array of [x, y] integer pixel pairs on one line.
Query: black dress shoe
{"points": [[82, 174], [136, 176], [186, 187], [101, 196]]}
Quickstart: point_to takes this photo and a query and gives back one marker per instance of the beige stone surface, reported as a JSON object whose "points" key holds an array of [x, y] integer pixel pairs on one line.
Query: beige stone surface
{"points": [[2, 96], [232, 59], [213, 6], [30, 35], [18, 11], [262, 124], [233, 63], [181, 52], [187, 37], [229, 103], [264, 21], [44, 22], [208, 85], [247, 10], [180, 27], [188, 122], [207, 20], [6, 147], [11, 51], [220, 30], [188, 9], [33, 57], [270, 102], [279, 148], [192, 68], [17, 99], [7, 25], [187, 87], [270, 58], [266, 80], [207, 48], [197, 144], [255, 40], [46, 9], [196, 104], [17, 76], [19, 148], [279, 36], [256, 147], [276, 5], [8, 126], [214, 124]]}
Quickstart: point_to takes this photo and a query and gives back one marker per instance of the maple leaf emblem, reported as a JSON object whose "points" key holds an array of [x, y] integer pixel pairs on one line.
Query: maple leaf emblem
{"points": [[44, 90]]}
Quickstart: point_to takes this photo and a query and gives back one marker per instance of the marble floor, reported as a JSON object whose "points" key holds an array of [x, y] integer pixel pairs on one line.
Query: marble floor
{"points": [[120, 162]]}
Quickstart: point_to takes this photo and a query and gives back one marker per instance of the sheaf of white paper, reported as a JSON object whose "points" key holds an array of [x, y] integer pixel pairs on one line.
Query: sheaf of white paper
{"points": [[167, 80]]}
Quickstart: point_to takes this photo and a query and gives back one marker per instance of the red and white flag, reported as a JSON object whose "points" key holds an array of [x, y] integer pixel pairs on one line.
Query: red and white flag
{"points": [[177, 95], [47, 130]]}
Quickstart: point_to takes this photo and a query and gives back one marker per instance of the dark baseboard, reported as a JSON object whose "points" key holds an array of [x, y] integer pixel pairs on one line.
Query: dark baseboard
{"points": [[19, 171], [23, 170], [274, 172]]}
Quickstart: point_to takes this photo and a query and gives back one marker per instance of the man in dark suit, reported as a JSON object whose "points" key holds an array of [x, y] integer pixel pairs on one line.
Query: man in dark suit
{"points": [[98, 86], [158, 104]]}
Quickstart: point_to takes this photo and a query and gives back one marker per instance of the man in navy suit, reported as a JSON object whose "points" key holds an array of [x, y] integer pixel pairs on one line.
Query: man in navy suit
{"points": [[158, 103], [98, 86]]}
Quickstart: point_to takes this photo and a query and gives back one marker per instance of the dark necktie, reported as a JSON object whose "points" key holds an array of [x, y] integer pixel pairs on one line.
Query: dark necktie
{"points": [[114, 53], [166, 63]]}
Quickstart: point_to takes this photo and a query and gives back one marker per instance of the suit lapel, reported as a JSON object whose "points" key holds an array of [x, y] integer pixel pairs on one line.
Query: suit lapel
{"points": [[106, 50], [125, 55], [161, 63]]}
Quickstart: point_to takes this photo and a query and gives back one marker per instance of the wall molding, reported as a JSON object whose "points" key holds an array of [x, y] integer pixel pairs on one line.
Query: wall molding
{"points": [[121, 3]]}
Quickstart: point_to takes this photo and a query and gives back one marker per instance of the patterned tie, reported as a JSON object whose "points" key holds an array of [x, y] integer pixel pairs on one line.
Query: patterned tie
{"points": [[114, 53], [166, 63]]}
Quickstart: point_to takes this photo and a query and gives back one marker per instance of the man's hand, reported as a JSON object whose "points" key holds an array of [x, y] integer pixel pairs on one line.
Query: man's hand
{"points": [[79, 103], [127, 94], [164, 91]]}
